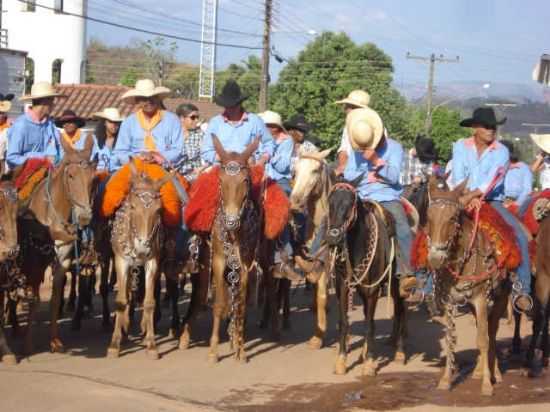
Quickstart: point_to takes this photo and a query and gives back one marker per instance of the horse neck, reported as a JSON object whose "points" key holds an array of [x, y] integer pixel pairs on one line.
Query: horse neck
{"points": [[51, 198], [318, 204]]}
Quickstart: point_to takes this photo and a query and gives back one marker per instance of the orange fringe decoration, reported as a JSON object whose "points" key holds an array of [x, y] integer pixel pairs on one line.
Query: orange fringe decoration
{"points": [[419, 251], [25, 192], [204, 200], [118, 188], [529, 219], [29, 168]]}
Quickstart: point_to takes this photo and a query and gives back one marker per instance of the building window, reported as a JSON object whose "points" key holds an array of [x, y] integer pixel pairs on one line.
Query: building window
{"points": [[58, 6], [56, 71], [29, 5]]}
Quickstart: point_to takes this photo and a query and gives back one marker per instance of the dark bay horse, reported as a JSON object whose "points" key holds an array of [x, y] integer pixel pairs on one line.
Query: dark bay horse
{"points": [[362, 258], [47, 228], [136, 238], [465, 278], [235, 238], [9, 276]]}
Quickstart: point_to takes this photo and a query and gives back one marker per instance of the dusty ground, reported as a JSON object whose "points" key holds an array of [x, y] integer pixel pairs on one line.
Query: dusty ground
{"points": [[287, 376]]}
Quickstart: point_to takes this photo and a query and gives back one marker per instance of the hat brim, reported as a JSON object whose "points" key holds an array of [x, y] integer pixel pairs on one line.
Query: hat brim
{"points": [[227, 102], [471, 121], [29, 97], [79, 121], [5, 106], [161, 92], [101, 115], [542, 141], [351, 102], [374, 120]]}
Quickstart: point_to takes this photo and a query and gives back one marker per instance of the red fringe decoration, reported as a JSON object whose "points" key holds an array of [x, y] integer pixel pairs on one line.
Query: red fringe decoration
{"points": [[419, 250], [529, 218], [29, 168], [118, 188], [204, 199]]}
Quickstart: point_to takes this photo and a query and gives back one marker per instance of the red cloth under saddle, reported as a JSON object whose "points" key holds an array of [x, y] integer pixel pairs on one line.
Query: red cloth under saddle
{"points": [[529, 219], [204, 200], [30, 167], [491, 225]]}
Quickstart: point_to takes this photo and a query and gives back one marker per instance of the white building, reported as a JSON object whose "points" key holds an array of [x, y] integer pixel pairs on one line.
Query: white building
{"points": [[56, 42]]}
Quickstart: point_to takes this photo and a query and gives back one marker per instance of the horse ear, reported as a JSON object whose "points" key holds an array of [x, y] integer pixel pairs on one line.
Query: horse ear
{"points": [[324, 154], [459, 190], [220, 151], [250, 149], [88, 146], [133, 169]]}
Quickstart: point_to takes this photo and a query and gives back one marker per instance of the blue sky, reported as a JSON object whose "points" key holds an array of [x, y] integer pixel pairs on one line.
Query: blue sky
{"points": [[497, 40]]}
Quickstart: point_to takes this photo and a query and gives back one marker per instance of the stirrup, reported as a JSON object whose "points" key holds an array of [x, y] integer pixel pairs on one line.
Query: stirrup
{"points": [[514, 303]]}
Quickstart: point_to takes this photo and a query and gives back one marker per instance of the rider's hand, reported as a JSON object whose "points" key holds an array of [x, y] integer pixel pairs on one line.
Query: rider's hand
{"points": [[371, 156]]}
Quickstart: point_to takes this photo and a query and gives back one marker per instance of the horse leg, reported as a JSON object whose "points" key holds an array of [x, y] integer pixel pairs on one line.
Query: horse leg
{"points": [[152, 293], [370, 355], [71, 304], [498, 309], [483, 344], [83, 291], [157, 313], [6, 355], [316, 342], [450, 340], [218, 266], [240, 327], [273, 287], [104, 291], [400, 325], [121, 307], [33, 304], [343, 323], [538, 326], [516, 340], [56, 345], [172, 291], [545, 338], [285, 297], [12, 316]]}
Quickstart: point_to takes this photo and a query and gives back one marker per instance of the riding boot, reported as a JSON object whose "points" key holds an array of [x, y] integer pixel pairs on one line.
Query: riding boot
{"points": [[406, 286]]}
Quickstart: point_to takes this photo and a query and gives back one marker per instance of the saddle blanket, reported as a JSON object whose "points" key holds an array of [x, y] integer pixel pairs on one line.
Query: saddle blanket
{"points": [[30, 175], [204, 202], [530, 218]]}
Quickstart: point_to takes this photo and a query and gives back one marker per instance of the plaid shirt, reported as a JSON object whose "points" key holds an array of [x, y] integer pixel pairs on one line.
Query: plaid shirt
{"points": [[305, 147], [191, 155], [412, 168]]}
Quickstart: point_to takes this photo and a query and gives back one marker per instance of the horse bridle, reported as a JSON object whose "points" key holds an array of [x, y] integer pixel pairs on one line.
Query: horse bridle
{"points": [[342, 186], [232, 222], [146, 197], [455, 219]]}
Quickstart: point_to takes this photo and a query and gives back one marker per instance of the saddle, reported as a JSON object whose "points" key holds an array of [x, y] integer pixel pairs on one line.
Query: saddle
{"points": [[28, 176]]}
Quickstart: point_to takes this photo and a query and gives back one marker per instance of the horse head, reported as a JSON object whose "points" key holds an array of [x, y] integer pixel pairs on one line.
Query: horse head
{"points": [[78, 179], [444, 218], [145, 207], [235, 182], [308, 179], [342, 209], [9, 247]]}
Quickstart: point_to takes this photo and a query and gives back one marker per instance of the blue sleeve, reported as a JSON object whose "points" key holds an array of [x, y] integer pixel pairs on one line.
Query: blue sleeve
{"points": [[175, 141], [14, 155], [282, 157], [391, 170], [458, 167], [499, 165], [526, 184], [121, 151], [208, 153]]}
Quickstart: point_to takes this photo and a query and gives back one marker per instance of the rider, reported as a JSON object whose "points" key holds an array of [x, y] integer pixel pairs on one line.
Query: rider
{"points": [[71, 132], [106, 133], [541, 164], [34, 135], [518, 183], [5, 106], [190, 165], [420, 162], [483, 161]]}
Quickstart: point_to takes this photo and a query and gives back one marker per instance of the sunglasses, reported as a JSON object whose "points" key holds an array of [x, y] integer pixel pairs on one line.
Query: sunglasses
{"points": [[193, 117]]}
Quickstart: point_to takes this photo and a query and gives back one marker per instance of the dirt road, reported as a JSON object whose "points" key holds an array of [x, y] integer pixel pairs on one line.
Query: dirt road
{"points": [[284, 376]]}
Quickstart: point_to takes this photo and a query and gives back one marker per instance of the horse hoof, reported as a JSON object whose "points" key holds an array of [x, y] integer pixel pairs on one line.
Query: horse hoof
{"points": [[242, 359], [369, 370], [487, 390], [173, 333], [400, 358], [152, 354], [184, 342], [315, 343], [340, 367], [113, 353], [444, 385], [9, 359], [56, 346], [213, 358]]}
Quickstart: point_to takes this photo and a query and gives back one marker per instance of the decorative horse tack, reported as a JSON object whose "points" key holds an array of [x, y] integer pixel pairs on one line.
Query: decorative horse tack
{"points": [[232, 168]]}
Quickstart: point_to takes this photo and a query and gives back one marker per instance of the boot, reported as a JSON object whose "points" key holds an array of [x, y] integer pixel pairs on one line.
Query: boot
{"points": [[406, 285]]}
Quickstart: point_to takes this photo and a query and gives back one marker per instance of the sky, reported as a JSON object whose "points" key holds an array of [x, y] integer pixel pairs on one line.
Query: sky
{"points": [[496, 40]]}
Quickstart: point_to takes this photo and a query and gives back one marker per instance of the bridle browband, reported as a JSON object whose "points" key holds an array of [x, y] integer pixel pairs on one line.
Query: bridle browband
{"points": [[234, 168]]}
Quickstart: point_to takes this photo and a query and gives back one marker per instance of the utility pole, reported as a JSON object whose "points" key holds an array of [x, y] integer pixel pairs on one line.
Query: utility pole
{"points": [[265, 56], [432, 59]]}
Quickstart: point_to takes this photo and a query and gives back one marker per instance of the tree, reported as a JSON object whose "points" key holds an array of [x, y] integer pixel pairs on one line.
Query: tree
{"points": [[129, 77], [328, 69]]}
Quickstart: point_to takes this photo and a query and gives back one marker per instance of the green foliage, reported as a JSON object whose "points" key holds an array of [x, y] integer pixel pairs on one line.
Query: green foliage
{"points": [[129, 77]]}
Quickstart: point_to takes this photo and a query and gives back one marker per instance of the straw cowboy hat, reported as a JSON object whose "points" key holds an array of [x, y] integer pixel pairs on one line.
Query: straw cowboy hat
{"points": [[109, 113], [70, 116], [484, 116], [542, 141], [41, 90], [231, 95], [364, 128], [146, 88], [273, 118], [359, 98], [5, 102]]}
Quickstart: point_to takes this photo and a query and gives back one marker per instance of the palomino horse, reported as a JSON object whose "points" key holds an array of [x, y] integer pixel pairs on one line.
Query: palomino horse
{"points": [[235, 236], [48, 228], [9, 250], [312, 182], [465, 273], [362, 256], [136, 240]]}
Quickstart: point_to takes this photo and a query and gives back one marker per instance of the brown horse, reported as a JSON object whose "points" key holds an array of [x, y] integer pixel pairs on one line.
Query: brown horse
{"points": [[235, 236], [48, 226], [312, 183], [465, 278], [9, 249], [136, 241]]}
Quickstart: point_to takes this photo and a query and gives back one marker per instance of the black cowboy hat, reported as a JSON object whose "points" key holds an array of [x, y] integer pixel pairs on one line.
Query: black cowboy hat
{"points": [[69, 116], [6, 97], [484, 116], [298, 122], [425, 148], [231, 95]]}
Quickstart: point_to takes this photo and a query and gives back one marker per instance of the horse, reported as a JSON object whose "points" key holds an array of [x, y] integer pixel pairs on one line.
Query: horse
{"points": [[47, 228], [234, 239], [9, 275], [136, 239], [465, 270], [312, 182], [362, 255]]}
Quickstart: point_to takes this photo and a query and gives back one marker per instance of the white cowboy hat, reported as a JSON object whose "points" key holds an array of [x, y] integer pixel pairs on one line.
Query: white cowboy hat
{"points": [[109, 113], [542, 141], [270, 117], [359, 98], [5, 106], [364, 128], [146, 88], [41, 90]]}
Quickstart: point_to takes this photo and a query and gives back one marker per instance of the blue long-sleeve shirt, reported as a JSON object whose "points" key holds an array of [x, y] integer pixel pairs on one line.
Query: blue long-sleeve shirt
{"points": [[28, 139], [79, 145], [279, 165], [235, 137], [518, 183], [104, 158], [380, 182], [480, 170], [167, 136]]}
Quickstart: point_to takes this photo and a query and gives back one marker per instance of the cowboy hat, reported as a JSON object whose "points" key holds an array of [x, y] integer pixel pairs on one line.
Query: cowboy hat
{"points": [[542, 141], [5, 102], [425, 149], [365, 128], [146, 88], [359, 98], [273, 118], [70, 116], [41, 90], [231, 95], [484, 116], [109, 113], [298, 122]]}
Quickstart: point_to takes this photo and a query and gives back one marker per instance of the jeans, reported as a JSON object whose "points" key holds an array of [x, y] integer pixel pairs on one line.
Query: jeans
{"points": [[404, 236], [523, 207], [524, 269], [284, 243]]}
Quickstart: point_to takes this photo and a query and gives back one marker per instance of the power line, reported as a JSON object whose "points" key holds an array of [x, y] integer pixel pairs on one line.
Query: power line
{"points": [[139, 30]]}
